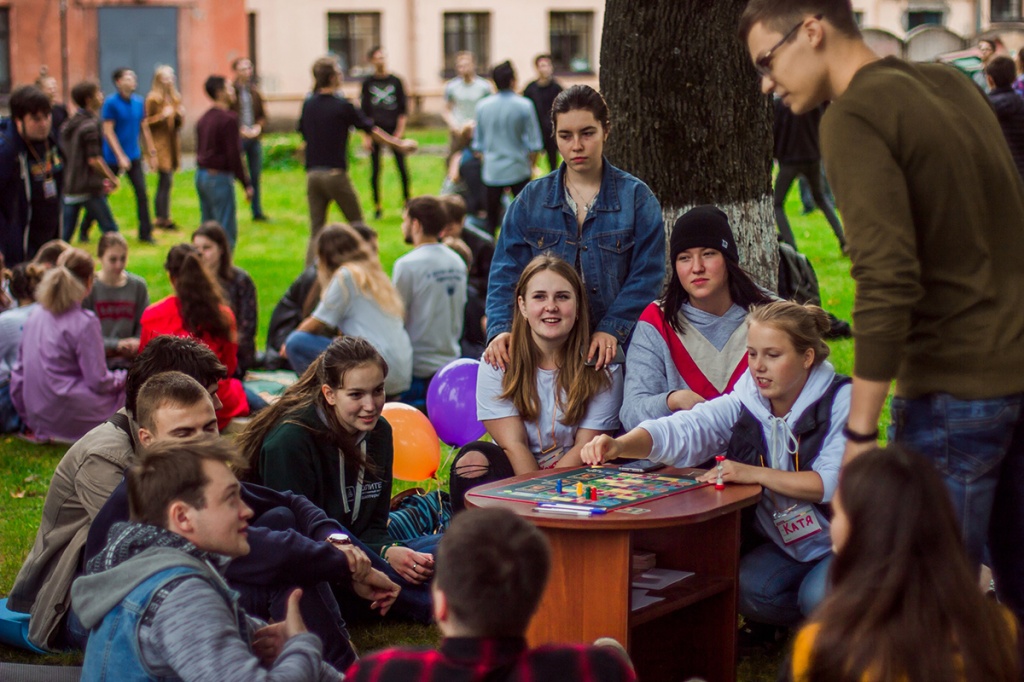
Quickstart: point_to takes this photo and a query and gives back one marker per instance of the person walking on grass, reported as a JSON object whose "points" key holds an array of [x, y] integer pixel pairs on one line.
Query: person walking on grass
{"points": [[219, 158], [252, 120], [383, 101], [164, 116], [123, 115]]}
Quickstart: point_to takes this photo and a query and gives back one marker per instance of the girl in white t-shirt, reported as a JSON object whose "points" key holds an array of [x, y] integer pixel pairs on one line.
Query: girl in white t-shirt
{"points": [[548, 404]]}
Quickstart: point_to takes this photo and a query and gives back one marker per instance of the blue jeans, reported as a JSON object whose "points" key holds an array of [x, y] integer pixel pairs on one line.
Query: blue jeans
{"points": [[10, 422], [217, 200], [253, 151], [777, 589], [318, 605], [303, 348], [95, 207], [978, 448]]}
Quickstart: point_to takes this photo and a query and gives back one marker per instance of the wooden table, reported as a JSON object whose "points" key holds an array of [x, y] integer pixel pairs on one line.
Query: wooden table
{"points": [[692, 632]]}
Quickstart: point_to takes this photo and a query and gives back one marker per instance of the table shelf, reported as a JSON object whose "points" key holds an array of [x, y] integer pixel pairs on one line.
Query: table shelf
{"points": [[685, 593]]}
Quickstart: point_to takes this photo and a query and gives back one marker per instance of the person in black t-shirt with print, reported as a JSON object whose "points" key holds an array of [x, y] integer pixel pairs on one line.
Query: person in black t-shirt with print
{"points": [[383, 101]]}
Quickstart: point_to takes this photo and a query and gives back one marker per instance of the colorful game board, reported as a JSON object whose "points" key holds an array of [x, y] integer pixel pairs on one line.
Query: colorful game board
{"points": [[614, 488]]}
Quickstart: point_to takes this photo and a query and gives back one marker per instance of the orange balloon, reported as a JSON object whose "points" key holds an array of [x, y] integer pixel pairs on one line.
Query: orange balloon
{"points": [[417, 449]]}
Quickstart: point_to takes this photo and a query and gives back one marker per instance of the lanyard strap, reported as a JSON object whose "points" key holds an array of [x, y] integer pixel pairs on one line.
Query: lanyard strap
{"points": [[354, 510]]}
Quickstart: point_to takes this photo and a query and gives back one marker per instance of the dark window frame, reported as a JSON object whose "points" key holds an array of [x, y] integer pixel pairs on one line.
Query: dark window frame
{"points": [[472, 34], [6, 79], [563, 33], [351, 44], [1005, 10], [925, 17]]}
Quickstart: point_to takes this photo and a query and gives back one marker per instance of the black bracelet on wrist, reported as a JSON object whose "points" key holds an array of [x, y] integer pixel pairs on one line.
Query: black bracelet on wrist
{"points": [[855, 437]]}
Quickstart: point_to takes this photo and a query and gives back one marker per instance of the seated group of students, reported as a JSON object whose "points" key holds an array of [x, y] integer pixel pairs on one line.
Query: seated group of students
{"points": [[312, 530], [715, 365], [74, 331]]}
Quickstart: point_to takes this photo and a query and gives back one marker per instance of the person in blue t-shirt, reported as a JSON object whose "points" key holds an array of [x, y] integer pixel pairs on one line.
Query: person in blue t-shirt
{"points": [[122, 115]]}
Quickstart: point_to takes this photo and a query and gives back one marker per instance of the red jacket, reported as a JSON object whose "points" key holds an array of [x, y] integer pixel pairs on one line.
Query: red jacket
{"points": [[164, 317]]}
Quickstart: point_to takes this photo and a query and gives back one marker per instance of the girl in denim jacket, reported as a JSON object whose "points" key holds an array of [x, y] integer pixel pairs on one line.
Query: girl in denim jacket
{"points": [[603, 221]]}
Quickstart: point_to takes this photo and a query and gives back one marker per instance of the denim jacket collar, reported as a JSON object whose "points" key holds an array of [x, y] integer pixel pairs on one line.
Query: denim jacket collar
{"points": [[607, 196]]}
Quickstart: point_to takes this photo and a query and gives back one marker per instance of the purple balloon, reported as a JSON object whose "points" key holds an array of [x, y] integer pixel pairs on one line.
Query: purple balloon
{"points": [[451, 403]]}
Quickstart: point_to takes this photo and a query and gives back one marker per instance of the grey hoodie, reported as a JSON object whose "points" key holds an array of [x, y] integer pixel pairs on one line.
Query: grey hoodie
{"points": [[193, 633]]}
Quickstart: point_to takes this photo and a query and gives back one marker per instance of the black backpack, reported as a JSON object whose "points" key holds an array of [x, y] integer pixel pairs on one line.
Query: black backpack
{"points": [[797, 281]]}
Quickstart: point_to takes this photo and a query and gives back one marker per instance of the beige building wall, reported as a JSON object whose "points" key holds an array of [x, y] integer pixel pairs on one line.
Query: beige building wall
{"points": [[960, 16], [289, 36]]}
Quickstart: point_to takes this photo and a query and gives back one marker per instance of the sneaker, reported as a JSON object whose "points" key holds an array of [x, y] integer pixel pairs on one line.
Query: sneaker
{"points": [[613, 643], [379, 213], [147, 240], [260, 219]]}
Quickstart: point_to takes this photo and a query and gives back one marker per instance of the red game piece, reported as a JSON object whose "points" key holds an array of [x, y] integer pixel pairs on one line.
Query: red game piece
{"points": [[593, 494]]}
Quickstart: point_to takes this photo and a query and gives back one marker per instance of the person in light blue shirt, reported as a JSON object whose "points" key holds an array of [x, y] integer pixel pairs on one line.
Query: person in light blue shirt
{"points": [[508, 137]]}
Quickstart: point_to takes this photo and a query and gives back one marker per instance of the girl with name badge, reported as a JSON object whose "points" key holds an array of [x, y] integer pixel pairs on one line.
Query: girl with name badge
{"points": [[325, 438], [780, 428], [549, 401], [691, 345]]}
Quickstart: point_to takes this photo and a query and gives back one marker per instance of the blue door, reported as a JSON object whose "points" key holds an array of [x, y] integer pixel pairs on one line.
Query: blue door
{"points": [[138, 38]]}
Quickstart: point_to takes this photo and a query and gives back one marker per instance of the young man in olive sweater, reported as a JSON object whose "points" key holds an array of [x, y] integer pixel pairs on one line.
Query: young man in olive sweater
{"points": [[934, 214]]}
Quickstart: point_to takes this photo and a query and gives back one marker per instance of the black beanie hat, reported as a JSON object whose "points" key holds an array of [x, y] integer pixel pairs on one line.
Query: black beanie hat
{"points": [[703, 226]]}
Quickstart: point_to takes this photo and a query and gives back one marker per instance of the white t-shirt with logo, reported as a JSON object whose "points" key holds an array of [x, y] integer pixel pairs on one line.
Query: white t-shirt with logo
{"points": [[432, 281]]}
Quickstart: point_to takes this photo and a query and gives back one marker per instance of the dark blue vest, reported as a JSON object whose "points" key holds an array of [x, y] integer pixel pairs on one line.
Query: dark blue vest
{"points": [[747, 444]]}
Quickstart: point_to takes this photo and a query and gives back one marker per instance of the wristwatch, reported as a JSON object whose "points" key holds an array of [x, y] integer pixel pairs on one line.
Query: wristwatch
{"points": [[339, 539]]}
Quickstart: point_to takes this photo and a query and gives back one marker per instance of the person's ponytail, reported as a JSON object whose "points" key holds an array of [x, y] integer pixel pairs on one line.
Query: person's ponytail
{"points": [[66, 283]]}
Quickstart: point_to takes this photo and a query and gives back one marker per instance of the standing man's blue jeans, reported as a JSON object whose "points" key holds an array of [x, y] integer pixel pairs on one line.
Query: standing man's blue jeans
{"points": [[95, 207], [978, 448], [253, 150], [776, 589], [216, 191]]}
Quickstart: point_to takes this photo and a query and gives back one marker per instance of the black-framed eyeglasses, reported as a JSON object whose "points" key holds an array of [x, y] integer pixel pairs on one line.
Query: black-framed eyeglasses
{"points": [[763, 64]]}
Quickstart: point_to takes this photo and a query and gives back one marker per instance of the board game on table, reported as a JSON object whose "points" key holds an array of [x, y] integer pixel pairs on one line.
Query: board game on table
{"points": [[615, 488]]}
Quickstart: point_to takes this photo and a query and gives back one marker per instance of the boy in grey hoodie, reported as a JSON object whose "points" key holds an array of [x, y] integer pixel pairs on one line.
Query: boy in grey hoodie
{"points": [[154, 599]]}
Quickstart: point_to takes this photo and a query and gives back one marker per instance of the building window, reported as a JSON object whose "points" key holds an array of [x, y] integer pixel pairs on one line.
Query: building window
{"points": [[5, 50], [349, 37], [859, 18], [467, 32], [572, 42], [920, 18], [1006, 10]]}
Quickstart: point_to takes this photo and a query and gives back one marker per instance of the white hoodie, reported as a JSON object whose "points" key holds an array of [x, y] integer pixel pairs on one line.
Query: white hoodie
{"points": [[690, 437]]}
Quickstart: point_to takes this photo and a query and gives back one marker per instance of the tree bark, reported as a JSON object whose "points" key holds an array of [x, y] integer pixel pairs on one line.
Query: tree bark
{"points": [[688, 117]]}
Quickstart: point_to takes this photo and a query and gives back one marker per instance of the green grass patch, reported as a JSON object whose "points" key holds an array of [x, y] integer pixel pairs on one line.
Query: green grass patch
{"points": [[273, 254]]}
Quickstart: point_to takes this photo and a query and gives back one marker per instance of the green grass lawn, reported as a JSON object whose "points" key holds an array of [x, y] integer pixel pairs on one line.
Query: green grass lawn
{"points": [[273, 254]]}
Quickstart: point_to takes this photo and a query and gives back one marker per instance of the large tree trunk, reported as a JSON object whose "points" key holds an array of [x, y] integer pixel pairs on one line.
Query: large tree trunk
{"points": [[688, 117]]}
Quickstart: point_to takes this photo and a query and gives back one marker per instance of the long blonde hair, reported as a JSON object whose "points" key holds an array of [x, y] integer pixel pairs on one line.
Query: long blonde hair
{"points": [[157, 89], [577, 382], [67, 282], [340, 246]]}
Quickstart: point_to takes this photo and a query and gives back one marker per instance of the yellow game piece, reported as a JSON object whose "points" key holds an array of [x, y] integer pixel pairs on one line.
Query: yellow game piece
{"points": [[579, 490]]}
